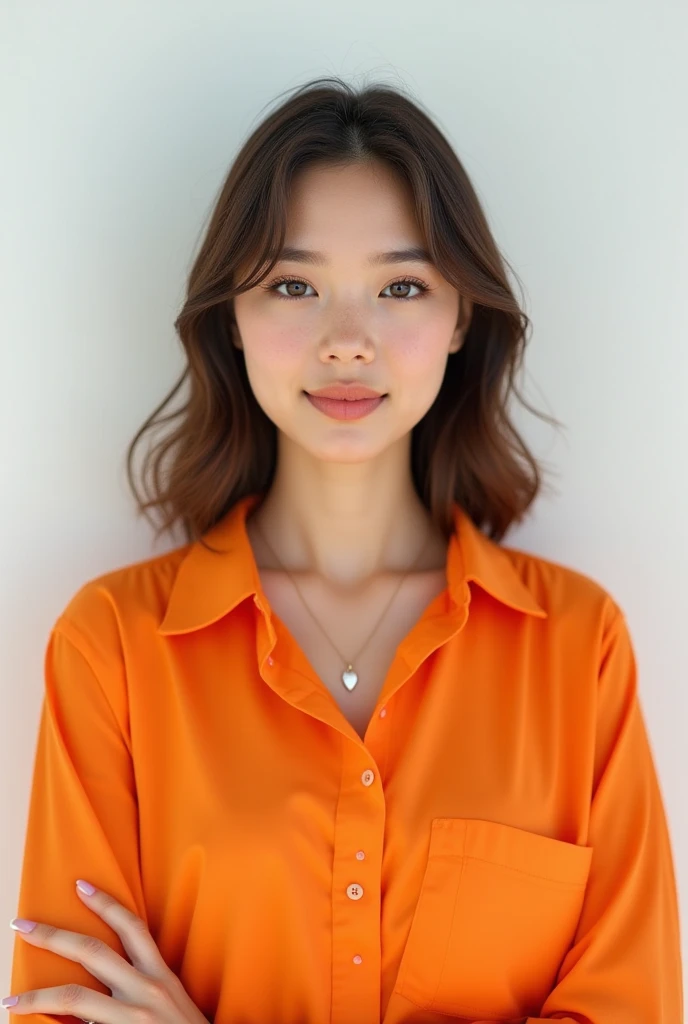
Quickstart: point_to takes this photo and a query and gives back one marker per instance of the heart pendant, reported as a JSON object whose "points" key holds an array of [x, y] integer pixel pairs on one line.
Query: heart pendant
{"points": [[349, 678]]}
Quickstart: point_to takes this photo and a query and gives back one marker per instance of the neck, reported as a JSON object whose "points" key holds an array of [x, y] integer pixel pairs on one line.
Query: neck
{"points": [[347, 539]]}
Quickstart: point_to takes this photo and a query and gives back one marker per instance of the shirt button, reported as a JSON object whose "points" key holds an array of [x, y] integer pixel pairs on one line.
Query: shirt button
{"points": [[383, 712], [354, 891], [358, 959], [360, 855], [368, 777]]}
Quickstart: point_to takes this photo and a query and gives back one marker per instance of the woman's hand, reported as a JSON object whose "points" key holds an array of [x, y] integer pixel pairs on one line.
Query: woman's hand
{"points": [[144, 991]]}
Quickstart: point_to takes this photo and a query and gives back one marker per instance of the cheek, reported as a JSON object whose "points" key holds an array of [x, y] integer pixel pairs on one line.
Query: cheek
{"points": [[276, 352], [421, 355]]}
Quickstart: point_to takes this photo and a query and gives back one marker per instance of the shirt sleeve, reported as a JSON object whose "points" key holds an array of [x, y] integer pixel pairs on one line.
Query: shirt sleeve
{"points": [[82, 817], [624, 963]]}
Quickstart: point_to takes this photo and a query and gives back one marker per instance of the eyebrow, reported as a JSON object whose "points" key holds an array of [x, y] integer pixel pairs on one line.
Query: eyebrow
{"points": [[414, 254]]}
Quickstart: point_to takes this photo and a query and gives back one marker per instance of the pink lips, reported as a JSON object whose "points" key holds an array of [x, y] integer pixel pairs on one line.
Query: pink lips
{"points": [[345, 410]]}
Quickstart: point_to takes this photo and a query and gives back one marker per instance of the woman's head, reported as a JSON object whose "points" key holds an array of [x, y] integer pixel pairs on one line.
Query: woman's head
{"points": [[347, 173]]}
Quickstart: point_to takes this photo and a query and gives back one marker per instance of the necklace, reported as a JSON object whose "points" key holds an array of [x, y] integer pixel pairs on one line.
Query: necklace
{"points": [[349, 676]]}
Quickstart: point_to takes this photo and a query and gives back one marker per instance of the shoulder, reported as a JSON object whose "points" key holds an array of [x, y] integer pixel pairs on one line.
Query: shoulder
{"points": [[119, 602], [571, 598]]}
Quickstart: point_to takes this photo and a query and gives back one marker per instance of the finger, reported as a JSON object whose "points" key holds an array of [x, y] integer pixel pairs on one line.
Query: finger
{"points": [[133, 932], [74, 999], [96, 956]]}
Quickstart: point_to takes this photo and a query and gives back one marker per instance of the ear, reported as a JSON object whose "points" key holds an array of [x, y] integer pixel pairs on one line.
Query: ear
{"points": [[462, 324]]}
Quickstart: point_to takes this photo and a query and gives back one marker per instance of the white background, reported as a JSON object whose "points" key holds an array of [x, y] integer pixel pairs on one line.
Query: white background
{"points": [[119, 122]]}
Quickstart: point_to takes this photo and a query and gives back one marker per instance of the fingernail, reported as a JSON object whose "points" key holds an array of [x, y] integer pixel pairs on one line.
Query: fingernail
{"points": [[10, 1000], [20, 924], [85, 887]]}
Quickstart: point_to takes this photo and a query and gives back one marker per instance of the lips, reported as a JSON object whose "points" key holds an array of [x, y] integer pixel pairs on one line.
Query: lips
{"points": [[345, 410], [346, 392]]}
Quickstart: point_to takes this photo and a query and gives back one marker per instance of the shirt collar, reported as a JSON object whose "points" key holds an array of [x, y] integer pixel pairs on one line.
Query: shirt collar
{"points": [[208, 585]]}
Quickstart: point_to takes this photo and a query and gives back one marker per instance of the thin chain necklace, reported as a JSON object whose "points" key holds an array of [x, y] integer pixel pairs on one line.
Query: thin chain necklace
{"points": [[349, 676]]}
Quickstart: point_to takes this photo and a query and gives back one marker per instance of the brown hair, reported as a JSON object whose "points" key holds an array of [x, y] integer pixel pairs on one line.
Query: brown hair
{"points": [[465, 448]]}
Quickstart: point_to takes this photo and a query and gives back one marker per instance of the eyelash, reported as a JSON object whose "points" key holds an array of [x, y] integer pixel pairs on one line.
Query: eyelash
{"points": [[424, 288]]}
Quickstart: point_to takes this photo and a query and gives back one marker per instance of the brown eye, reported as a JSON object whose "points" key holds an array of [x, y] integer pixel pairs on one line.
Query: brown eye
{"points": [[406, 284], [288, 281]]}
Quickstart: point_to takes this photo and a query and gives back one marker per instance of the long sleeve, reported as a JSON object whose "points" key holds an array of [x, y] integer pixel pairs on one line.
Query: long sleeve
{"points": [[82, 818], [624, 965]]}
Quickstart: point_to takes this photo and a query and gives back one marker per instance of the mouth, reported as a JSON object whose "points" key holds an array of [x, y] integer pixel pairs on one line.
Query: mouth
{"points": [[346, 392], [345, 409]]}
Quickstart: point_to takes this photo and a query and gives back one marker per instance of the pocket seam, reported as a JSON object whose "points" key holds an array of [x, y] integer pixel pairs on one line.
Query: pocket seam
{"points": [[403, 966], [451, 923], [557, 882]]}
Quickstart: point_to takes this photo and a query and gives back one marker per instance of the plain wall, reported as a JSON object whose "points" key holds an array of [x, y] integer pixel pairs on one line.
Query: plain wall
{"points": [[119, 123]]}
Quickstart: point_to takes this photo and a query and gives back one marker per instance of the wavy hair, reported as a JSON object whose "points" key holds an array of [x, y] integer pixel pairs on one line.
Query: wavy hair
{"points": [[465, 448]]}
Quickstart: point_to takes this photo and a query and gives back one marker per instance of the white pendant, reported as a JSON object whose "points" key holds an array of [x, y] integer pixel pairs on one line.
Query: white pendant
{"points": [[349, 678]]}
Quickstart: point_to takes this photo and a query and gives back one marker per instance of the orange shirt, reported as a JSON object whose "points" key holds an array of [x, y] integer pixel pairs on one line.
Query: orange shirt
{"points": [[495, 849]]}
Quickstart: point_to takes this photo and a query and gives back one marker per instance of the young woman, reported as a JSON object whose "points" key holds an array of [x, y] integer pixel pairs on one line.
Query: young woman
{"points": [[342, 757]]}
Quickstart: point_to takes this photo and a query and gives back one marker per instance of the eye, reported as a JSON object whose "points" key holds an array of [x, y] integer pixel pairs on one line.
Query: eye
{"points": [[412, 281]]}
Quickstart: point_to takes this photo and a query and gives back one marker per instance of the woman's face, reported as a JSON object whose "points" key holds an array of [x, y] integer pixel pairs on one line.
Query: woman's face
{"points": [[349, 319]]}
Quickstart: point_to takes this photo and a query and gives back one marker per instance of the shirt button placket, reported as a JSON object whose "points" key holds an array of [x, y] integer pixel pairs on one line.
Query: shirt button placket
{"points": [[358, 997], [355, 891]]}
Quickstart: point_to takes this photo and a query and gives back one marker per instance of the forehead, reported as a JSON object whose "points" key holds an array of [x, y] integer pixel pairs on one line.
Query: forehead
{"points": [[363, 208]]}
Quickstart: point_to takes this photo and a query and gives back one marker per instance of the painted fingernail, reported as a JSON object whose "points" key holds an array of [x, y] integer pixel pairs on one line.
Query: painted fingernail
{"points": [[85, 887], [10, 1000], [20, 924]]}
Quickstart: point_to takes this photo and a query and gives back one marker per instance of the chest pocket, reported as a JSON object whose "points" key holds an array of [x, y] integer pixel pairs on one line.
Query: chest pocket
{"points": [[496, 914]]}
